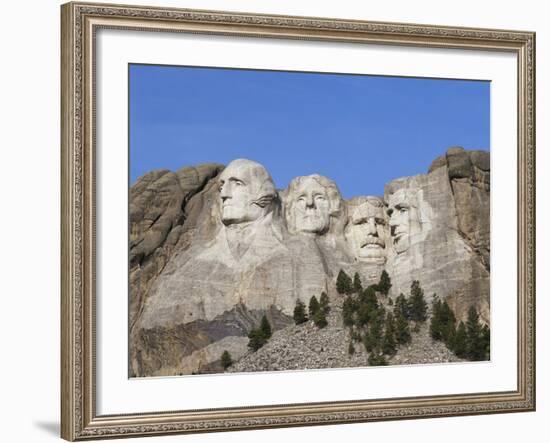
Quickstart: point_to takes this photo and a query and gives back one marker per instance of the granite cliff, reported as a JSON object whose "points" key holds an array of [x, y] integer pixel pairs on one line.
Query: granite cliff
{"points": [[213, 249]]}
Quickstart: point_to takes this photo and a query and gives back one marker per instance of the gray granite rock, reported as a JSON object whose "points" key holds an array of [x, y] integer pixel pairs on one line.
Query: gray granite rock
{"points": [[213, 252], [446, 232], [162, 208]]}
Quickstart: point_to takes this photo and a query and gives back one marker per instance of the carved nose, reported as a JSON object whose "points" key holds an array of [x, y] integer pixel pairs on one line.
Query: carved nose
{"points": [[310, 202], [371, 228], [223, 193]]}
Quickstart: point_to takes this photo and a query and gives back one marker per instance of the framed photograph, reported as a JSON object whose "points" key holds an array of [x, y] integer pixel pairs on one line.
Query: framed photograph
{"points": [[277, 221]]}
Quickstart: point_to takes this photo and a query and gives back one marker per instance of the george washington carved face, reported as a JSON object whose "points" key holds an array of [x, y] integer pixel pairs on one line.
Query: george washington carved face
{"points": [[246, 192]]}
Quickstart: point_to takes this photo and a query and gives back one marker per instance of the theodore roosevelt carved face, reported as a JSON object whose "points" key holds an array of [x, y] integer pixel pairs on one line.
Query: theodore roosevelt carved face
{"points": [[366, 229], [310, 204], [246, 192], [404, 218]]}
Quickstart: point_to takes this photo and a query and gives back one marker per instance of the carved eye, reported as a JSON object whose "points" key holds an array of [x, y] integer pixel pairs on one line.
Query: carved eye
{"points": [[389, 212], [320, 197], [379, 221], [403, 210]]}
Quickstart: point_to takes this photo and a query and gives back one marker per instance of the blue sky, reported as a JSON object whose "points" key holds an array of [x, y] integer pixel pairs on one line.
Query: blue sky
{"points": [[361, 131]]}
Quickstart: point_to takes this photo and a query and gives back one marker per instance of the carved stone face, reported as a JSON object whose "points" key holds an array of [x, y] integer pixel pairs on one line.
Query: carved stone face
{"points": [[404, 219], [246, 192], [311, 207], [311, 202], [366, 230]]}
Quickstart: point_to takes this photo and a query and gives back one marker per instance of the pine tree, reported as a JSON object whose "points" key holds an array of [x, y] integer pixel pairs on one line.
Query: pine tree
{"points": [[320, 319], [388, 342], [384, 284], [226, 359], [265, 328], [357, 286], [448, 323], [363, 315], [369, 342], [368, 297], [443, 323], [459, 344], [351, 348], [313, 306], [418, 307], [451, 338], [324, 303], [367, 306], [347, 311], [435, 322], [486, 341], [376, 359], [402, 331], [256, 339], [374, 335], [401, 307], [300, 313], [343, 283], [475, 347]]}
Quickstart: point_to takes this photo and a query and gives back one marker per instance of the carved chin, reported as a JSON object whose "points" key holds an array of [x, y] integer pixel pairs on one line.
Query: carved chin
{"points": [[232, 215], [401, 244], [372, 251], [313, 225]]}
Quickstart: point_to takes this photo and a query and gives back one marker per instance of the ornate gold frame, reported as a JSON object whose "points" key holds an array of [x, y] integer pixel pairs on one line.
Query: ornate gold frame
{"points": [[79, 420]]}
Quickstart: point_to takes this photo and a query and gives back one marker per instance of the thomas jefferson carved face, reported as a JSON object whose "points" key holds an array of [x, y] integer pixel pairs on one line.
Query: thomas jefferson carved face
{"points": [[404, 218], [246, 192], [366, 229], [312, 200]]}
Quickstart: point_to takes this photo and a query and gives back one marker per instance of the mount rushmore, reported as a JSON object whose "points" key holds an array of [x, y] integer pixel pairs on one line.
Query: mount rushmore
{"points": [[213, 249]]}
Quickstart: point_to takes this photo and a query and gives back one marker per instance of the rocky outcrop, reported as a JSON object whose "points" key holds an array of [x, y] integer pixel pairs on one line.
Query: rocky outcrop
{"points": [[308, 347], [470, 178], [448, 231], [164, 206], [213, 249], [192, 347]]}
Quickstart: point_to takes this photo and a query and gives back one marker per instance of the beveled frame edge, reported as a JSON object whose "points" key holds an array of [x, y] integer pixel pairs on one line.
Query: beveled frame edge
{"points": [[78, 417]]}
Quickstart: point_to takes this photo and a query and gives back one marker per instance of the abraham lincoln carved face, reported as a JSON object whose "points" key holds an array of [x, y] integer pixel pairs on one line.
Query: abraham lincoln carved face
{"points": [[404, 219]]}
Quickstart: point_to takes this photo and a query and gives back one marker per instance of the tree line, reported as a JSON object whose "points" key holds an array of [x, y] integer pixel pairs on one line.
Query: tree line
{"points": [[380, 330], [317, 311], [470, 340], [381, 325]]}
